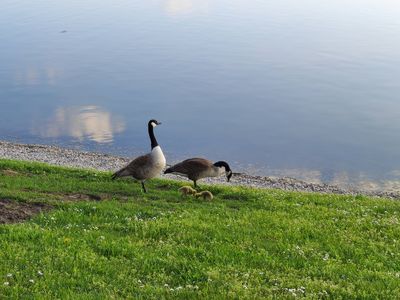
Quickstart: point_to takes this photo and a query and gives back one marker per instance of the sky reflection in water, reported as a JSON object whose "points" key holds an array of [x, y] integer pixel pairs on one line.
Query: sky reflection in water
{"points": [[88, 122], [307, 89]]}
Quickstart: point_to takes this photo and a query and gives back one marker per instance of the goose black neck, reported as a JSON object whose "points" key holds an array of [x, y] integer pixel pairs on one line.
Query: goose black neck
{"points": [[152, 137], [223, 164]]}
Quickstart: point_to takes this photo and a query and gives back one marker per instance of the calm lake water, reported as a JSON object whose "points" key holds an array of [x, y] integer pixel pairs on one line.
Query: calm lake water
{"points": [[308, 89]]}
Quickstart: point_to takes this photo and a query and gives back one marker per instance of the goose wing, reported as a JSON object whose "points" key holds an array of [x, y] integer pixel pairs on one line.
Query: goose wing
{"points": [[190, 166], [137, 168]]}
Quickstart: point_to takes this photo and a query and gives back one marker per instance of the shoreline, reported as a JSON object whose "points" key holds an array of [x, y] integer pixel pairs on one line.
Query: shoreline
{"points": [[58, 156]]}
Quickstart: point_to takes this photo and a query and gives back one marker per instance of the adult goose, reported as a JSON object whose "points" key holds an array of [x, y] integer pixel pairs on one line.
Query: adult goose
{"points": [[198, 168], [146, 166]]}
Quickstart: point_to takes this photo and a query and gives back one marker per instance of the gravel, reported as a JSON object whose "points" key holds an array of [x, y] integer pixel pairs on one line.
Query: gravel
{"points": [[105, 162]]}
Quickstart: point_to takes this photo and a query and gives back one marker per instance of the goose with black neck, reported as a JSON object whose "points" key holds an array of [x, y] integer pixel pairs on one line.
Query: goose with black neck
{"points": [[198, 168], [146, 166]]}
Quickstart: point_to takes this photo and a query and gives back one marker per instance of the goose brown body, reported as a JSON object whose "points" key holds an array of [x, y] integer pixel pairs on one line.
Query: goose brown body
{"points": [[146, 166], [198, 168]]}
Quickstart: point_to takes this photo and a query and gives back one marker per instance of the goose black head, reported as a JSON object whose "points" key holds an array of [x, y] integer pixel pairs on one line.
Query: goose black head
{"points": [[228, 171], [154, 123]]}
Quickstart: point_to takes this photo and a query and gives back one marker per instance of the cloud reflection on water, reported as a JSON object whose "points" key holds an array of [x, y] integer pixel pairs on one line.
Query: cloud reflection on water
{"points": [[184, 7], [35, 76], [84, 122]]}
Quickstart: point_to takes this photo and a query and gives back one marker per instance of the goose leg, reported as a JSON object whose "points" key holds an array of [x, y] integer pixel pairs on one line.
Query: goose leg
{"points": [[195, 184], [143, 187]]}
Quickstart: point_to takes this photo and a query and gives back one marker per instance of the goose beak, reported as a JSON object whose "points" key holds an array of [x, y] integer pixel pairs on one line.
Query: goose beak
{"points": [[158, 123]]}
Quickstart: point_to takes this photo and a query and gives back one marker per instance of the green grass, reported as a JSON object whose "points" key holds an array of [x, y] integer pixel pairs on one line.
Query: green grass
{"points": [[246, 243]]}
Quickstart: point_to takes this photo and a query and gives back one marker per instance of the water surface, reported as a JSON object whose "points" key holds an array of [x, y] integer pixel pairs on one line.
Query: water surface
{"points": [[308, 89]]}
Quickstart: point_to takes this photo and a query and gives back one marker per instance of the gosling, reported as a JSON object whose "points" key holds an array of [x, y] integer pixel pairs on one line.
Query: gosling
{"points": [[206, 195], [187, 190]]}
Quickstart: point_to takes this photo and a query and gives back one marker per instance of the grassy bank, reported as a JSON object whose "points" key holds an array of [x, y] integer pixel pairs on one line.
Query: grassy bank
{"points": [[97, 238]]}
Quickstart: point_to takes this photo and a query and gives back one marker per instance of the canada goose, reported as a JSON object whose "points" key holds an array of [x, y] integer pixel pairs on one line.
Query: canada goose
{"points": [[146, 166], [206, 195], [187, 190], [198, 168]]}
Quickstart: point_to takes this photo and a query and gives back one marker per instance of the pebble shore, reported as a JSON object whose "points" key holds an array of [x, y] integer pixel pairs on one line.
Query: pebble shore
{"points": [[105, 162]]}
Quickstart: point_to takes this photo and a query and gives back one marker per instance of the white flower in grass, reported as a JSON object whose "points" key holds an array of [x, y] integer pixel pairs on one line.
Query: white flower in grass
{"points": [[301, 252], [179, 288], [323, 293], [6, 283], [102, 237], [139, 281], [166, 285], [9, 275], [293, 292], [31, 281], [40, 273], [326, 256]]}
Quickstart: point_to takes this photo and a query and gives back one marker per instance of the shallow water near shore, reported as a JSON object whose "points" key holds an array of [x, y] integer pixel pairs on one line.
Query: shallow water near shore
{"points": [[284, 88]]}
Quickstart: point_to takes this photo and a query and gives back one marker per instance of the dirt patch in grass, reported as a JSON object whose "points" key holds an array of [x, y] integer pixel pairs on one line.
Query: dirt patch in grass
{"points": [[8, 172], [12, 211], [81, 197], [70, 196], [89, 197]]}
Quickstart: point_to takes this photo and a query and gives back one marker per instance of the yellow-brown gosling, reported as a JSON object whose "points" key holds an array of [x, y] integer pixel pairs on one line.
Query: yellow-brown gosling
{"points": [[206, 195], [187, 190]]}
